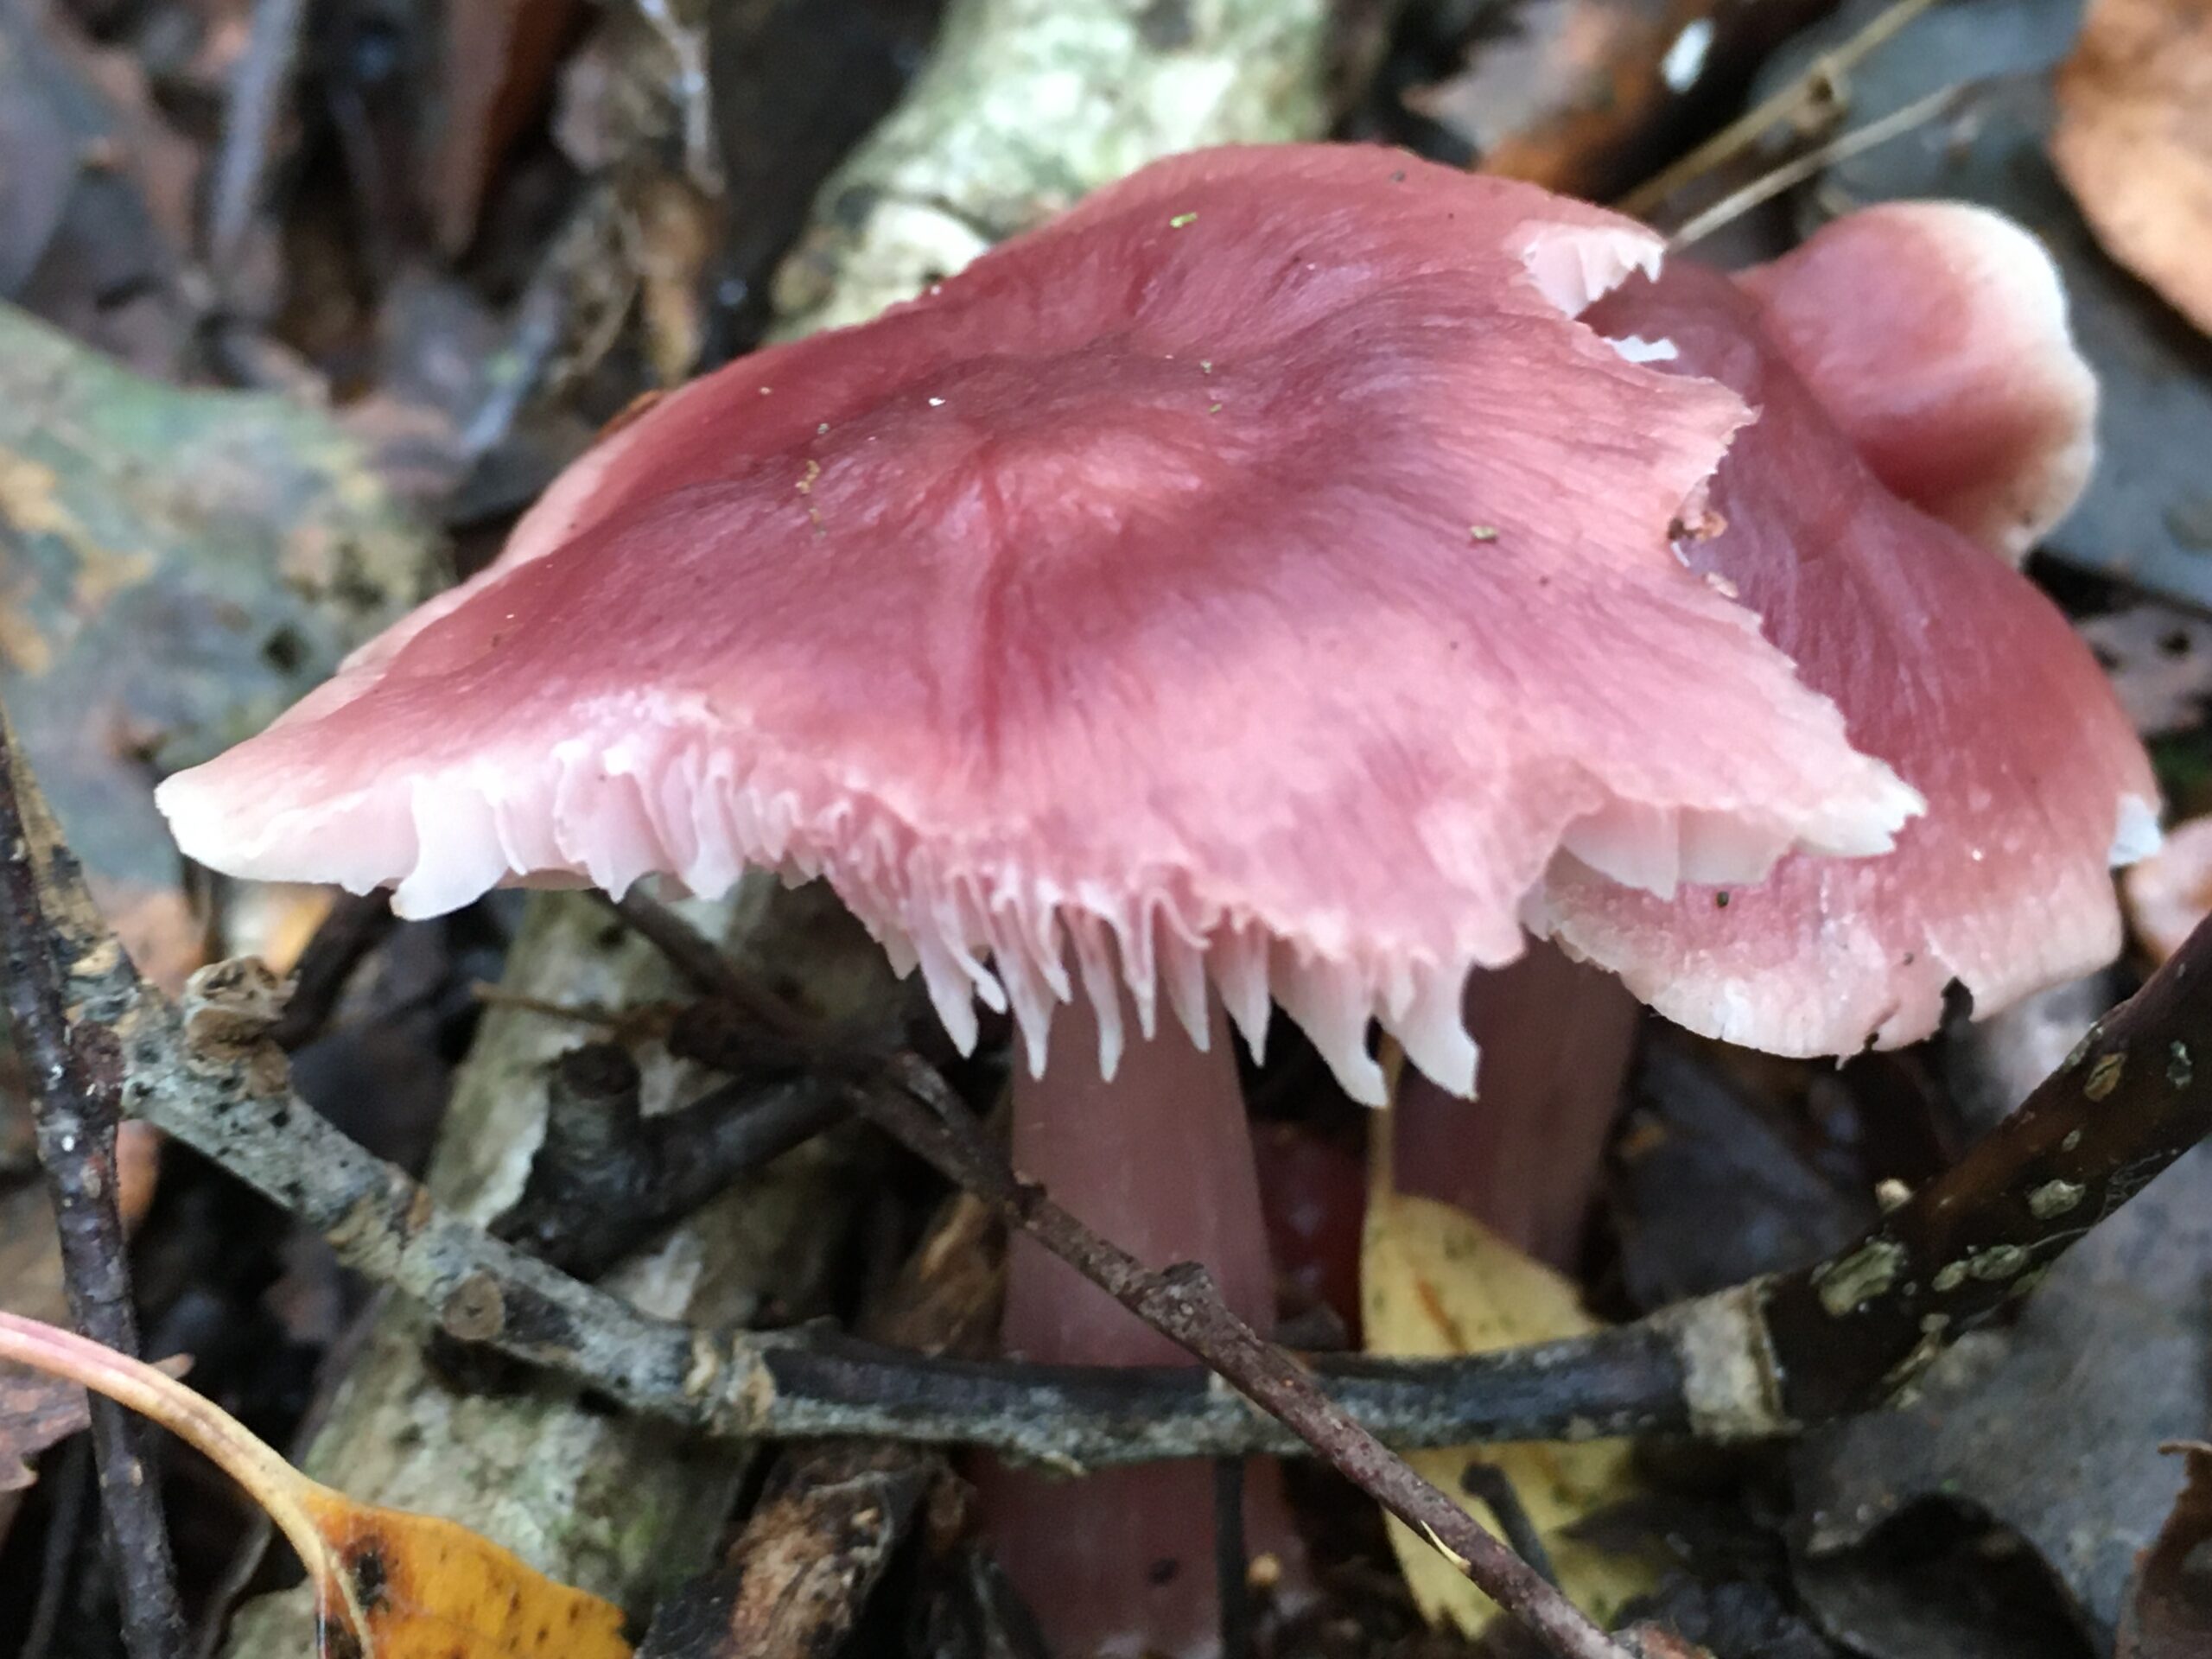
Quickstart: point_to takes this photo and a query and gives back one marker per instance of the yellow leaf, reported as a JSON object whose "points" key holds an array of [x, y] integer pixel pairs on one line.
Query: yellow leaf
{"points": [[1435, 1282], [388, 1584]]}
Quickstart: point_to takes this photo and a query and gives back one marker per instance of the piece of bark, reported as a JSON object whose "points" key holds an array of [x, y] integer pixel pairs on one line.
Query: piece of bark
{"points": [[836, 1512], [615, 1504], [1025, 106]]}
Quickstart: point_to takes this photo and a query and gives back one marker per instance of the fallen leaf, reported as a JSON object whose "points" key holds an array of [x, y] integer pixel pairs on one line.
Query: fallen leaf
{"points": [[1709, 1186], [1579, 95], [2170, 1609], [95, 193], [175, 566], [38, 1409], [497, 71], [1435, 1282], [35, 1411], [388, 1584], [2134, 141]]}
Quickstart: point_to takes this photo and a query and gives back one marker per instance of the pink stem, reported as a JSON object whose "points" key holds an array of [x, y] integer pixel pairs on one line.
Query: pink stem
{"points": [[1524, 1156], [1160, 1161]]}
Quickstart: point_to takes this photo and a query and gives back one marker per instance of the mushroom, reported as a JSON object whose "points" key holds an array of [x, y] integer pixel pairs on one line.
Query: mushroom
{"points": [[1244, 587], [1923, 418]]}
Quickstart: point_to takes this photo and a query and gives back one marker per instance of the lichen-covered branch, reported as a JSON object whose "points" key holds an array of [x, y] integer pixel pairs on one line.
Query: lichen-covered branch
{"points": [[2134, 1096]]}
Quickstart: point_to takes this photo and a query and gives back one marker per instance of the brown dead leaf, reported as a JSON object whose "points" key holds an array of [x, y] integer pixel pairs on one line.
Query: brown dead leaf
{"points": [[36, 1411], [1581, 95], [388, 1584], [2168, 1613], [2134, 141]]}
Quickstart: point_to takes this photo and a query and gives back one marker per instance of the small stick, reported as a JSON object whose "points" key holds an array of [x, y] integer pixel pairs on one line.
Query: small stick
{"points": [[260, 84], [1826, 72], [1232, 1574], [357, 923], [1790, 175], [76, 1068], [1182, 1304], [703, 961], [1493, 1486]]}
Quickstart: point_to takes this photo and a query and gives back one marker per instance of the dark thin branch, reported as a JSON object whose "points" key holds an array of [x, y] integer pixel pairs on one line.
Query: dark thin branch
{"points": [[261, 87], [1231, 1571], [1489, 1484], [2134, 1096], [697, 958], [76, 1071], [607, 1179], [357, 923], [1182, 1304]]}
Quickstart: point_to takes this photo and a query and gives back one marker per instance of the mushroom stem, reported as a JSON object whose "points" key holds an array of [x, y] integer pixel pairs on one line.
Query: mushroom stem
{"points": [[1158, 1159], [1556, 1037]]}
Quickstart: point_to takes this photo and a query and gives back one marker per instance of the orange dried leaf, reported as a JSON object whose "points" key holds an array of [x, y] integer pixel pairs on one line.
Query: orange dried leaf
{"points": [[2134, 141], [388, 1584]]}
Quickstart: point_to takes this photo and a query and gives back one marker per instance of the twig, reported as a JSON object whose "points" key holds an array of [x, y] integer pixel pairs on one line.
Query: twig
{"points": [[700, 960], [1792, 173], [1822, 77], [1231, 1571], [1490, 1485], [357, 923], [1182, 1304], [606, 1180], [259, 86], [76, 1100]]}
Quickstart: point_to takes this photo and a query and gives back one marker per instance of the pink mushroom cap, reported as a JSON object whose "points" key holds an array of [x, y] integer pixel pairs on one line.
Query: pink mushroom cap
{"points": [[1935, 335], [1259, 574], [1912, 354]]}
